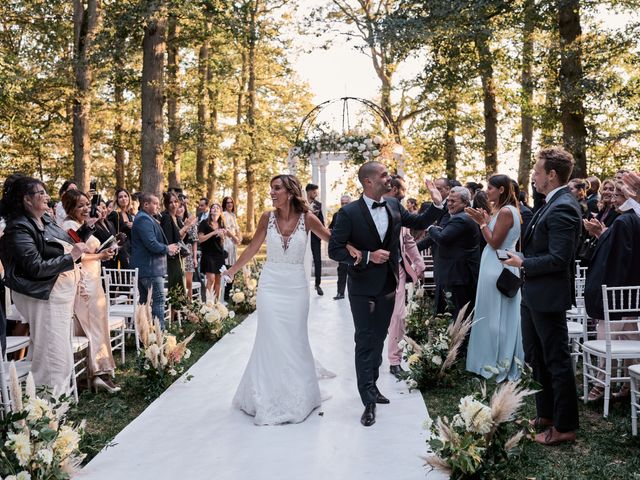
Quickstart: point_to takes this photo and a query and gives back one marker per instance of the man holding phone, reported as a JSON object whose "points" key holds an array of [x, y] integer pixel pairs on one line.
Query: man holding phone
{"points": [[149, 252], [547, 266]]}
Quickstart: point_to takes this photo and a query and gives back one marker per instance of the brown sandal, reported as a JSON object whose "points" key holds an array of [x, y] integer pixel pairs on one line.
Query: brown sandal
{"points": [[540, 423], [595, 394]]}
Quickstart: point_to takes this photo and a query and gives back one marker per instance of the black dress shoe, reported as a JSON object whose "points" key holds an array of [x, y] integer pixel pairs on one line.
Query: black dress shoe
{"points": [[339, 296], [369, 415], [319, 290], [397, 371], [380, 398]]}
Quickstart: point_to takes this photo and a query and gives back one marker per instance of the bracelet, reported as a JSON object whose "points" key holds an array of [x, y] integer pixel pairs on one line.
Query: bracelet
{"points": [[482, 226]]}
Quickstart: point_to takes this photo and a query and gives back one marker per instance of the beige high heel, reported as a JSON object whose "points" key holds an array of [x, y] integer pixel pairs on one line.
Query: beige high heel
{"points": [[107, 385]]}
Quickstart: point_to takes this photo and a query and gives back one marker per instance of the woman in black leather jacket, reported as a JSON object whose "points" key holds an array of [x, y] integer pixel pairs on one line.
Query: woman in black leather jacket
{"points": [[39, 259]]}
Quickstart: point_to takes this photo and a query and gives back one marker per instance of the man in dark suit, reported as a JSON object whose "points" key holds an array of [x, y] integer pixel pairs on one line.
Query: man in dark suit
{"points": [[458, 250], [342, 267], [316, 208], [547, 264], [373, 226]]}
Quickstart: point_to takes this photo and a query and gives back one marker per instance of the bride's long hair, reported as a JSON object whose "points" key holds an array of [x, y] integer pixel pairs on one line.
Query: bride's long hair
{"points": [[292, 185]]}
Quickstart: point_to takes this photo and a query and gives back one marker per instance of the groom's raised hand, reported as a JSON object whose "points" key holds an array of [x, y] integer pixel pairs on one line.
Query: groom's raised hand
{"points": [[379, 256]]}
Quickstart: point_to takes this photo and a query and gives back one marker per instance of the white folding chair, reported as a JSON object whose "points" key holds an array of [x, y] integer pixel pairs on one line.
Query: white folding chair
{"points": [[634, 375], [196, 290], [11, 312], [621, 302], [121, 289], [428, 283], [577, 318], [80, 348]]}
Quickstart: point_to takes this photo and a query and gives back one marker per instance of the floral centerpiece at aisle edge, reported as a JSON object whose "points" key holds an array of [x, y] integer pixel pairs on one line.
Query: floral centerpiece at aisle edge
{"points": [[360, 147], [162, 355], [37, 441], [430, 362], [483, 436]]}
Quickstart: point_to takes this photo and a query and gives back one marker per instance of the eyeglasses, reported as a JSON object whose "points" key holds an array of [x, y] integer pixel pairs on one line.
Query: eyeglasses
{"points": [[39, 192]]}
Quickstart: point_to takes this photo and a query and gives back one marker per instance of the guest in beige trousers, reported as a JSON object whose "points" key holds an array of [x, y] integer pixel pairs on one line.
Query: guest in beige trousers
{"points": [[39, 259], [90, 306]]}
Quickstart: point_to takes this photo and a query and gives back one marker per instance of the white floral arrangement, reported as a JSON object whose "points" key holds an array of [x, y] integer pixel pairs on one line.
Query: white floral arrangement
{"points": [[244, 297], [162, 354], [482, 436], [37, 440], [360, 147], [430, 362]]}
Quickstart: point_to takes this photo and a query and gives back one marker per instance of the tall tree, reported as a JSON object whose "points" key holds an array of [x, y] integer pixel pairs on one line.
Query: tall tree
{"points": [[526, 95], [153, 51], [86, 14], [574, 131], [173, 95]]}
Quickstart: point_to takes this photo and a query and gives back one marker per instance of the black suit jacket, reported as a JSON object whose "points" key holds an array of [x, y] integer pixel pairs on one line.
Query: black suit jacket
{"points": [[549, 247], [615, 262], [458, 250], [355, 225]]}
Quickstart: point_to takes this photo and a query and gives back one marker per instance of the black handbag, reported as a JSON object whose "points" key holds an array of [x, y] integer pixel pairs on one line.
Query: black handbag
{"points": [[508, 283]]}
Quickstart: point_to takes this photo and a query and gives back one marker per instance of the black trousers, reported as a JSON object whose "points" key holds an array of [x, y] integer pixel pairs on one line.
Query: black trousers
{"points": [[460, 296], [342, 277], [546, 350], [371, 317], [317, 258]]}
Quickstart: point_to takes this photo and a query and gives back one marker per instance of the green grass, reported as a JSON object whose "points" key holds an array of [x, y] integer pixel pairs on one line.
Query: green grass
{"points": [[107, 414], [604, 448]]}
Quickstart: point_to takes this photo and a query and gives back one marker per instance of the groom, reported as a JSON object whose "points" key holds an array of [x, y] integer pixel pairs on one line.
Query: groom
{"points": [[373, 226]]}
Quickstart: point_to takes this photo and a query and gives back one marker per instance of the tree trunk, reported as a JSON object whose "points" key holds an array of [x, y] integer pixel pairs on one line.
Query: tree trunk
{"points": [[203, 113], [173, 120], [251, 120], [489, 100], [450, 145], [574, 131], [526, 102], [212, 174], [118, 134], [239, 109], [153, 49], [85, 24]]}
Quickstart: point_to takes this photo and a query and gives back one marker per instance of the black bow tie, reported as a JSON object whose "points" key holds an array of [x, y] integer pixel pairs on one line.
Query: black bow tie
{"points": [[378, 204]]}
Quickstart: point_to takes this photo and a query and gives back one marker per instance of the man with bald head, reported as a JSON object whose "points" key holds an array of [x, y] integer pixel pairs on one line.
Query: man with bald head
{"points": [[372, 224]]}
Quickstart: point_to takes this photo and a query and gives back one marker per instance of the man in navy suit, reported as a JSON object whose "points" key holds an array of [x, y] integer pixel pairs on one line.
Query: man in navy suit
{"points": [[149, 252], [372, 225], [548, 265]]}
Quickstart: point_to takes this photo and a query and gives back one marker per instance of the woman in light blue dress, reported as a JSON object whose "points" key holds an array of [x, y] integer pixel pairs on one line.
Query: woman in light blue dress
{"points": [[496, 339]]}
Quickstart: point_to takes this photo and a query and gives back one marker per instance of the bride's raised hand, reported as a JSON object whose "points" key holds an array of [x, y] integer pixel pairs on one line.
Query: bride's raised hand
{"points": [[354, 252]]}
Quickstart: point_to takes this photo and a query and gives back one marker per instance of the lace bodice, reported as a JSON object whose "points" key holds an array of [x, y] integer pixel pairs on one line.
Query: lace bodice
{"points": [[290, 250], [514, 232]]}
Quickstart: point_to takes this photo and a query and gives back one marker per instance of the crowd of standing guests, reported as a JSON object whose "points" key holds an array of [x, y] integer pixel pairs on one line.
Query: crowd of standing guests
{"points": [[53, 265]]}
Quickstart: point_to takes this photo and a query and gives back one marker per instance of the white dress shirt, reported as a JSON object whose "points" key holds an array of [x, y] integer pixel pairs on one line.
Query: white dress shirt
{"points": [[379, 215]]}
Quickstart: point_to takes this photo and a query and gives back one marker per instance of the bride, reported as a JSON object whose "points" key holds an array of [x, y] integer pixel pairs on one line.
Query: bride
{"points": [[280, 384]]}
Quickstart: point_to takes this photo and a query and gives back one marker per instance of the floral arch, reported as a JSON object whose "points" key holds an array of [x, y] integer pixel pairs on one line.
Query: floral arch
{"points": [[318, 145]]}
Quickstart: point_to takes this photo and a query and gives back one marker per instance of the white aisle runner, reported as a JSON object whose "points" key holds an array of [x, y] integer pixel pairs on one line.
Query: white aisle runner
{"points": [[191, 432]]}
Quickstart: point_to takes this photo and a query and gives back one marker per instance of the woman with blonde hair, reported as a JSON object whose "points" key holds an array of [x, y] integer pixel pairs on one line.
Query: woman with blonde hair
{"points": [[496, 338]]}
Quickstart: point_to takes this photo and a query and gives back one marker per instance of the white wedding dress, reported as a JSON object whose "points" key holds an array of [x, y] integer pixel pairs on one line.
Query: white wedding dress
{"points": [[280, 383]]}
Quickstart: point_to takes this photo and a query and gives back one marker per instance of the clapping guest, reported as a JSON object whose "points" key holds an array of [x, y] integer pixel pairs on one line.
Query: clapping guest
{"points": [[211, 235], [122, 220], [458, 251], [233, 238], [90, 305], [39, 260], [615, 263], [496, 338], [191, 242], [175, 231]]}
